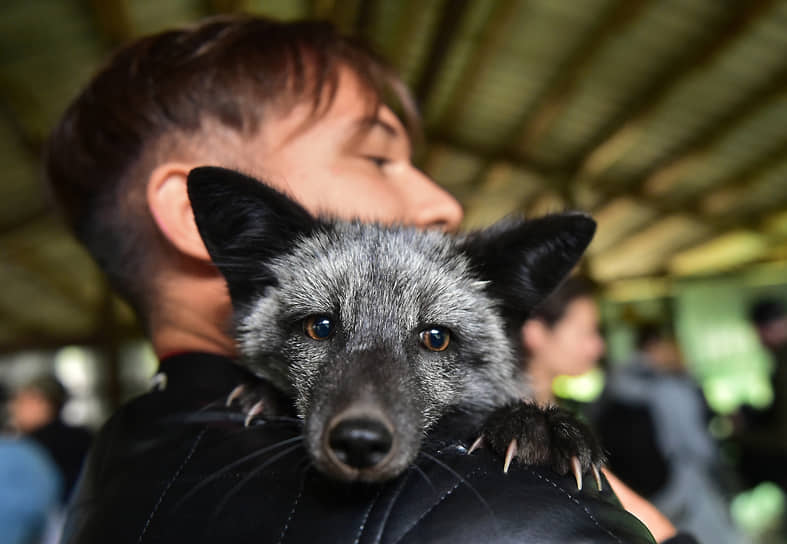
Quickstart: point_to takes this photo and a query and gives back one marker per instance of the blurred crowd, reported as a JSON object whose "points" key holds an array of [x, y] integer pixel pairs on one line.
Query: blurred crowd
{"points": [[652, 417]]}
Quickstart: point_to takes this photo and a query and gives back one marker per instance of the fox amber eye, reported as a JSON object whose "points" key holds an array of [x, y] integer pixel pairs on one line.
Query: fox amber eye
{"points": [[435, 338], [318, 327]]}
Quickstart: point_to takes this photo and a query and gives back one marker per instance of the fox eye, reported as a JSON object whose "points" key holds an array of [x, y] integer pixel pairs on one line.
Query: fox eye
{"points": [[435, 338], [318, 327]]}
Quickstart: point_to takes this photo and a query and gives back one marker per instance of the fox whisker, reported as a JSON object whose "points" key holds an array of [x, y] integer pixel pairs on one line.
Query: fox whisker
{"points": [[251, 475], [253, 455]]}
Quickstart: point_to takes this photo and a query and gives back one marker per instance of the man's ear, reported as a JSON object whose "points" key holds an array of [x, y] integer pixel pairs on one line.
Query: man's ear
{"points": [[533, 334], [168, 201], [525, 260], [244, 224]]}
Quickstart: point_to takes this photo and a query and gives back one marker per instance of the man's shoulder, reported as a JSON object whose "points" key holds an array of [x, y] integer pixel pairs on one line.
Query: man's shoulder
{"points": [[200, 475]]}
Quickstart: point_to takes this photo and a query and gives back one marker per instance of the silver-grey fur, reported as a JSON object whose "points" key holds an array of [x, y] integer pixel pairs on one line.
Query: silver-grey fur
{"points": [[385, 285]]}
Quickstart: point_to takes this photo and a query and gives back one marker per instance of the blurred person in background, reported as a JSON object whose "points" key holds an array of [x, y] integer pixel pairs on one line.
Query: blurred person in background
{"points": [[762, 433], [30, 488], [30, 491], [652, 420], [36, 412], [562, 338]]}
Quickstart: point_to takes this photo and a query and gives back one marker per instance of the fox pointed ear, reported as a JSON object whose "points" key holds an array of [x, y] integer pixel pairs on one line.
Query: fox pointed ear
{"points": [[244, 224], [525, 260]]}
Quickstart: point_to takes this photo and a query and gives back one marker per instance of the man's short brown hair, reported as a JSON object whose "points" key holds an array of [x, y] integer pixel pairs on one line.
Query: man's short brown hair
{"points": [[231, 70]]}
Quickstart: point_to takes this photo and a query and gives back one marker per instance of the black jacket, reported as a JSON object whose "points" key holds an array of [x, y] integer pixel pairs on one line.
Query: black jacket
{"points": [[176, 466], [67, 445]]}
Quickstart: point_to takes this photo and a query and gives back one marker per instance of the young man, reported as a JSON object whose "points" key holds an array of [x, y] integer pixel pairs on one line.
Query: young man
{"points": [[301, 108]]}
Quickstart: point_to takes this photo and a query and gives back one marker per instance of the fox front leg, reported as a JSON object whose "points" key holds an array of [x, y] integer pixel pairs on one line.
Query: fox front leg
{"points": [[538, 435]]}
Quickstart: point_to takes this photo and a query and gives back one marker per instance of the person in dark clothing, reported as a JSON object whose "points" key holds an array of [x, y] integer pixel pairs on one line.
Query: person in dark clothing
{"points": [[562, 338], [653, 421], [627, 430], [762, 435], [302, 108], [36, 412]]}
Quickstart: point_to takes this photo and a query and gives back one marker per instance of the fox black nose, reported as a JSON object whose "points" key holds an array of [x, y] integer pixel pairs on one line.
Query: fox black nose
{"points": [[360, 443]]}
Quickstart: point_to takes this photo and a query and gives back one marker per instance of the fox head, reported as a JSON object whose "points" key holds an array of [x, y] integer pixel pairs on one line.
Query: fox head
{"points": [[374, 331]]}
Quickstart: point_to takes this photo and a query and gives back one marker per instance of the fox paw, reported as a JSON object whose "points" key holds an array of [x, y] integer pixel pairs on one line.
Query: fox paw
{"points": [[548, 436], [253, 401]]}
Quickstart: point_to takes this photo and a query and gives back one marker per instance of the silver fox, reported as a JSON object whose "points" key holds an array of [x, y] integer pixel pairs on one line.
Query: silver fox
{"points": [[376, 333]]}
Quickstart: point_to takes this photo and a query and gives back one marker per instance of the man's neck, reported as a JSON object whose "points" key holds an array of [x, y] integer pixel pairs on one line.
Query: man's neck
{"points": [[167, 341], [193, 315]]}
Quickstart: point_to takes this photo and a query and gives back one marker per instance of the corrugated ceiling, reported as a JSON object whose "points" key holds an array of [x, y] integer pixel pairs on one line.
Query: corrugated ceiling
{"points": [[666, 119]]}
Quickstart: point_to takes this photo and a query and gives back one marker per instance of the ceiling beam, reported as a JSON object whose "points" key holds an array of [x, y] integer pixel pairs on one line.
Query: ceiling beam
{"points": [[112, 21], [693, 206], [12, 93], [33, 339], [40, 273], [662, 175], [641, 107], [558, 92], [364, 17], [720, 225], [20, 327], [752, 222], [534, 122], [622, 13], [746, 178], [494, 156], [31, 146], [108, 331], [452, 13], [23, 221], [320, 9], [343, 14], [494, 29], [225, 6]]}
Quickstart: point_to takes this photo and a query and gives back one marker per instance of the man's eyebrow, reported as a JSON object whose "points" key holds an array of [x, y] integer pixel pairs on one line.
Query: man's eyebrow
{"points": [[393, 133], [371, 122]]}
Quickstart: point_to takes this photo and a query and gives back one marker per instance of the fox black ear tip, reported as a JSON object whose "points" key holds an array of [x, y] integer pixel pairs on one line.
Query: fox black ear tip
{"points": [[589, 224], [208, 181], [199, 175], [202, 174], [582, 222], [581, 216], [197, 184]]}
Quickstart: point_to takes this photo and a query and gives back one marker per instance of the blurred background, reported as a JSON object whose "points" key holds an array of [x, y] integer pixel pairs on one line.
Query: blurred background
{"points": [[667, 120]]}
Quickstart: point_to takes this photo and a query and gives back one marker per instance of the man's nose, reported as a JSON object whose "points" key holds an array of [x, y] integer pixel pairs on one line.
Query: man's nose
{"points": [[433, 206]]}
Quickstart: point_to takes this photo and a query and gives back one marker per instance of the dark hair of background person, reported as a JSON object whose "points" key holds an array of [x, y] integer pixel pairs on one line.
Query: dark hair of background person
{"points": [[67, 445], [232, 70], [553, 308], [51, 390], [4, 416], [649, 332], [766, 310]]}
